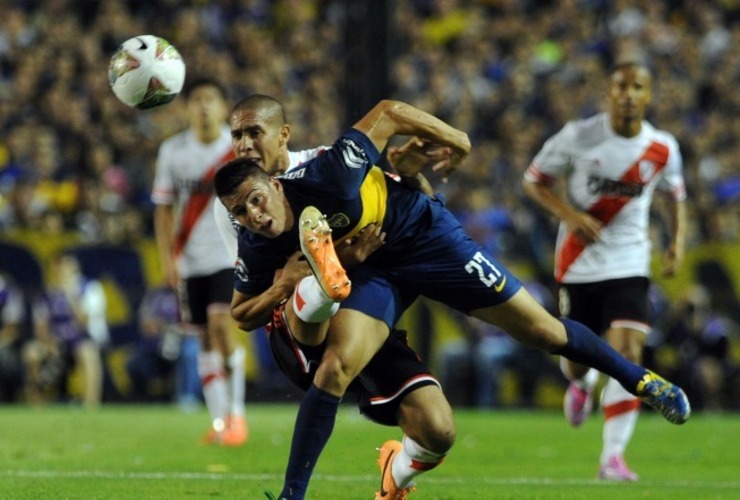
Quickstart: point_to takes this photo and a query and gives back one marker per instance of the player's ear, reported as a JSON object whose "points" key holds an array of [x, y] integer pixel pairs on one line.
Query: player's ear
{"points": [[284, 135]]}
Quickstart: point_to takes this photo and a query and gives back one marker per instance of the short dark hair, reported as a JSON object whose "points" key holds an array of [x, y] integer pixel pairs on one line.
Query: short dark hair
{"points": [[233, 173], [261, 101], [626, 64], [204, 81]]}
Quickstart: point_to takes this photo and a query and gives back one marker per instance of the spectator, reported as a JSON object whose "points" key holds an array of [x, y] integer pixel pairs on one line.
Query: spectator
{"points": [[70, 328], [702, 337], [165, 353], [11, 319]]}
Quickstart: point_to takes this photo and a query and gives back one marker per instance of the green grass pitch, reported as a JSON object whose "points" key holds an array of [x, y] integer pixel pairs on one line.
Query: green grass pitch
{"points": [[152, 452]]}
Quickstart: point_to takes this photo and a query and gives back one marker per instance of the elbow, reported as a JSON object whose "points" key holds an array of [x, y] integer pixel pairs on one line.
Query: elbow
{"points": [[388, 108], [244, 326], [243, 321], [529, 188], [386, 105]]}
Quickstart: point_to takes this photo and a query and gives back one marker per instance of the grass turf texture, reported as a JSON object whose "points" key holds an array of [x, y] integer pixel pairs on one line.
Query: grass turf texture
{"points": [[148, 452]]}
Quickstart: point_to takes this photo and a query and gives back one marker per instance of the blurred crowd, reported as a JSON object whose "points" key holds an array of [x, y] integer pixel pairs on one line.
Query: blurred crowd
{"points": [[509, 72]]}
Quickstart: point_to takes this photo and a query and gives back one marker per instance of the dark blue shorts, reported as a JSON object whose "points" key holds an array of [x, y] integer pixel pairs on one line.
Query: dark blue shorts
{"points": [[449, 268]]}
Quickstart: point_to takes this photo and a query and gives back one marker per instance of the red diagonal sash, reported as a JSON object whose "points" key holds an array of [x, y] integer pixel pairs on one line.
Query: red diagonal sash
{"points": [[607, 207], [197, 203]]}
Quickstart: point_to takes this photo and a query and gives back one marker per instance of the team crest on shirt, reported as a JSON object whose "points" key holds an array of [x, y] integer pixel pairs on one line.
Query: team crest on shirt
{"points": [[353, 154], [647, 169], [241, 271], [338, 220]]}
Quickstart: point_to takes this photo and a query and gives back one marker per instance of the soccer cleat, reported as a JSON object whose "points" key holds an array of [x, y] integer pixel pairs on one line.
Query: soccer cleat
{"points": [[577, 404], [236, 432], [667, 398], [616, 470], [388, 488], [318, 247], [215, 433]]}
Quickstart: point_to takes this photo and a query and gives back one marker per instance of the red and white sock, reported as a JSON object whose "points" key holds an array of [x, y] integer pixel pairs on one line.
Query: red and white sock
{"points": [[237, 381], [310, 303], [215, 390], [621, 410], [587, 382], [412, 461]]}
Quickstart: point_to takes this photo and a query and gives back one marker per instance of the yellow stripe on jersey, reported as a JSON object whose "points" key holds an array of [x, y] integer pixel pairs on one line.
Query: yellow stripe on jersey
{"points": [[374, 194]]}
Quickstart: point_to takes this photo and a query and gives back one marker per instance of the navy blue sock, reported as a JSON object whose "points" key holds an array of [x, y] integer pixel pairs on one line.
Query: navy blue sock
{"points": [[587, 348], [313, 427]]}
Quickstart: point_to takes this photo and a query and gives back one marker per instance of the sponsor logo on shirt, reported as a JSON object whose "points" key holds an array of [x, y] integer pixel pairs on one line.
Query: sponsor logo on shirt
{"points": [[610, 187], [195, 186], [354, 156], [294, 174], [241, 271]]}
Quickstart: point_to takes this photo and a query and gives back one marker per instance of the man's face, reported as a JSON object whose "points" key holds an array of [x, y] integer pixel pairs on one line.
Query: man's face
{"points": [[258, 205], [630, 92], [261, 135], [207, 107]]}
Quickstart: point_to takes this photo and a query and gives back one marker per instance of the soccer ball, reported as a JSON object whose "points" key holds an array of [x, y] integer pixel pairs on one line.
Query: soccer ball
{"points": [[146, 71]]}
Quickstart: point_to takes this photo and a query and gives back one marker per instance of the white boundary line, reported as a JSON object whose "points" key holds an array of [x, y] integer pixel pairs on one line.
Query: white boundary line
{"points": [[348, 478]]}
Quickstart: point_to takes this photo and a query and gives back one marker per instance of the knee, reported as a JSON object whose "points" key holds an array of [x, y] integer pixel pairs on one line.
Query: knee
{"points": [[334, 374], [442, 437], [438, 432]]}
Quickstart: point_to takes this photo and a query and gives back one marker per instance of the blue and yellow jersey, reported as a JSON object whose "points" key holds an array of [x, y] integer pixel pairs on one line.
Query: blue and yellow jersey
{"points": [[345, 185]]}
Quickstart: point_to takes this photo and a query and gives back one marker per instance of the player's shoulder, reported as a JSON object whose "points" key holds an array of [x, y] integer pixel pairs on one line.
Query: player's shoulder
{"points": [[298, 158], [176, 142], [660, 135], [586, 132]]}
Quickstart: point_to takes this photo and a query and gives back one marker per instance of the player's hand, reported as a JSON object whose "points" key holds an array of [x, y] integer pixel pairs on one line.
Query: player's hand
{"points": [[357, 250], [672, 259], [585, 227], [415, 154], [458, 151], [295, 269]]}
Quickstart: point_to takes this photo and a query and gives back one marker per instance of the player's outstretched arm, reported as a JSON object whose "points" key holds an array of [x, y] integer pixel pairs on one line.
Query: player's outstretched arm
{"points": [[389, 118]]}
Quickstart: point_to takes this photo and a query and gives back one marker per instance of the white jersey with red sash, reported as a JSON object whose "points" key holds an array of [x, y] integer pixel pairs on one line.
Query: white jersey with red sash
{"points": [[613, 178], [184, 178]]}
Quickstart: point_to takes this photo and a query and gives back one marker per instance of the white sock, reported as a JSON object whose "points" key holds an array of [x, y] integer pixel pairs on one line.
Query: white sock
{"points": [[587, 382], [620, 411], [412, 461], [310, 303], [215, 391], [237, 382]]}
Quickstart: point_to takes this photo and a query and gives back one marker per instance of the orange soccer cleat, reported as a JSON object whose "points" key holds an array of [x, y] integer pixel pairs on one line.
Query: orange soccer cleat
{"points": [[318, 247], [236, 432], [388, 488]]}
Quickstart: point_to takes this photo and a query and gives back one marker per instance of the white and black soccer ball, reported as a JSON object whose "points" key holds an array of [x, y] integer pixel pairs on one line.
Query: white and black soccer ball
{"points": [[146, 71]]}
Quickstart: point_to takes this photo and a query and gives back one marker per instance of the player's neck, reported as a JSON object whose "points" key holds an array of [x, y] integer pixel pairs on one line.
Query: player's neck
{"points": [[626, 127], [207, 135], [283, 162]]}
